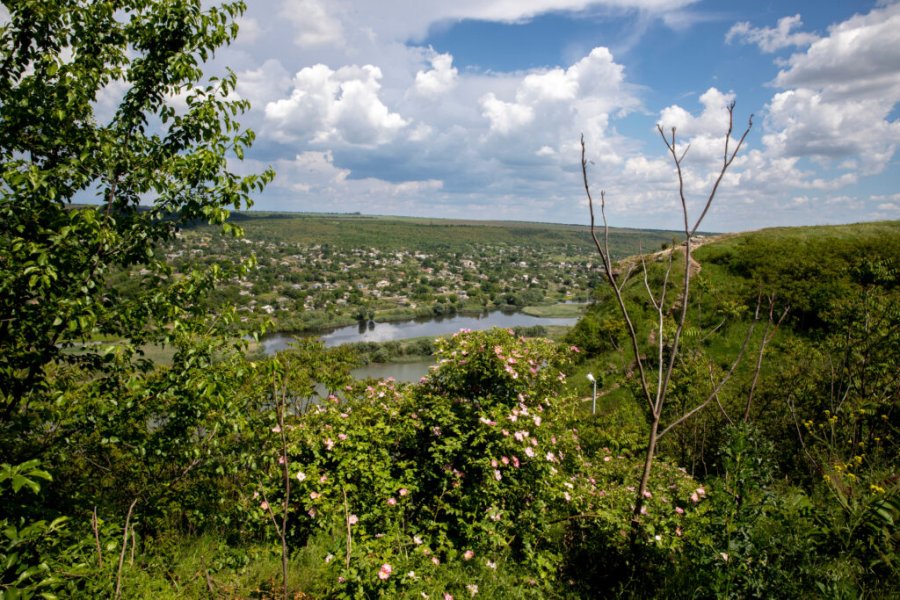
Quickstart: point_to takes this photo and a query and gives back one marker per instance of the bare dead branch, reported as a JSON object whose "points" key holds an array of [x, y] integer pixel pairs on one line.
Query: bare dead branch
{"points": [[603, 251], [726, 162], [712, 380], [768, 334], [280, 397], [349, 531], [124, 548], [664, 372], [95, 525], [722, 381], [812, 460]]}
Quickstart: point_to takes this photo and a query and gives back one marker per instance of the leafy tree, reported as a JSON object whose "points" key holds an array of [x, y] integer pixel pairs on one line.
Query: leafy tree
{"points": [[89, 412], [156, 162]]}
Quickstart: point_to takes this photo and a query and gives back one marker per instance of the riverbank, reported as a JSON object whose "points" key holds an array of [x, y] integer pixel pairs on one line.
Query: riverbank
{"points": [[563, 310]]}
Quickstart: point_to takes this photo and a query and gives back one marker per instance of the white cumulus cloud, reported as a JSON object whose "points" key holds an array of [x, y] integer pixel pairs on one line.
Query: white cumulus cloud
{"points": [[505, 116], [859, 57], [340, 106], [838, 98], [439, 79], [314, 24], [771, 39]]}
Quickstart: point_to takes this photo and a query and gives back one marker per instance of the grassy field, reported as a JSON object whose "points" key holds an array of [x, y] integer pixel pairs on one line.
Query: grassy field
{"points": [[412, 233]]}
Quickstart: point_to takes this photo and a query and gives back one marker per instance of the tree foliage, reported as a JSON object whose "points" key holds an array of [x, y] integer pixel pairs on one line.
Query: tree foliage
{"points": [[106, 102], [111, 140]]}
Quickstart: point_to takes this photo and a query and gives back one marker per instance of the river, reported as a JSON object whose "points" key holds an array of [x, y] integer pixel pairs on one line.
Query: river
{"points": [[401, 330]]}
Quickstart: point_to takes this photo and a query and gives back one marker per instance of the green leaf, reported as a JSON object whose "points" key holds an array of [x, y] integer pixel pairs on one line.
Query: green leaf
{"points": [[20, 481]]}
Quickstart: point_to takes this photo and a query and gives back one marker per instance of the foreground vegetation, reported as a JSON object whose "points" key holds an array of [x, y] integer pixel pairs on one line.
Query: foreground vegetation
{"points": [[491, 476]]}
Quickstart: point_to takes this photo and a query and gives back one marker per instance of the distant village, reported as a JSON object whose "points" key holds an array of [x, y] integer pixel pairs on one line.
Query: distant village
{"points": [[293, 284]]}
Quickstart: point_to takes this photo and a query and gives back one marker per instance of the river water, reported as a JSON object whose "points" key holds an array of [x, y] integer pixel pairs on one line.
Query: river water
{"points": [[401, 330], [409, 372]]}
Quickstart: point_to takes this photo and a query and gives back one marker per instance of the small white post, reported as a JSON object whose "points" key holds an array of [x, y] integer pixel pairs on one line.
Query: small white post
{"points": [[591, 378]]}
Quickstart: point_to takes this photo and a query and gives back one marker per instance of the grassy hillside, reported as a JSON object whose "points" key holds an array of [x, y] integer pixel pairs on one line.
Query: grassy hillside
{"points": [[837, 347], [414, 233]]}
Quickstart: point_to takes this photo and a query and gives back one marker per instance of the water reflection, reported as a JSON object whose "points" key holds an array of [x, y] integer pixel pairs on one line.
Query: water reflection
{"points": [[386, 332]]}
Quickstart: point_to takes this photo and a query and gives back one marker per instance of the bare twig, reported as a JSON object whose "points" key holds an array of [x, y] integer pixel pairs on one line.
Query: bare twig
{"points": [[122, 553], [722, 381], [712, 380], [603, 251], [768, 334], [133, 546], [665, 368], [280, 401], [95, 525], [349, 531], [209, 581]]}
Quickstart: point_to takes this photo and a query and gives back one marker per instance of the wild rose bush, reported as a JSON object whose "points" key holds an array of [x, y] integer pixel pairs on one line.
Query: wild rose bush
{"points": [[428, 487], [462, 467]]}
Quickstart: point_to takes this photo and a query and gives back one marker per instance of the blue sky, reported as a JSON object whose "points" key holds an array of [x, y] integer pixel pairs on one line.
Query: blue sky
{"points": [[474, 108]]}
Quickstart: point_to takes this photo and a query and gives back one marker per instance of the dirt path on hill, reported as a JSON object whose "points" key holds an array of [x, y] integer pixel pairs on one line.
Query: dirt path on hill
{"points": [[631, 263]]}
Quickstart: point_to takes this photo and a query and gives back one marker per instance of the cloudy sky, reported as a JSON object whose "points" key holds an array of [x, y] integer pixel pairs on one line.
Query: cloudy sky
{"points": [[474, 108]]}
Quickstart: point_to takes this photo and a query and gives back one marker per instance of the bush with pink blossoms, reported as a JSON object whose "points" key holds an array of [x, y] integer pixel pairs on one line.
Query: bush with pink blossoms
{"points": [[465, 463]]}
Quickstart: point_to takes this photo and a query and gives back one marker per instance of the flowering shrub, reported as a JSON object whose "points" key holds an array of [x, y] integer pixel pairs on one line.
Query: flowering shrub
{"points": [[463, 467], [601, 553]]}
